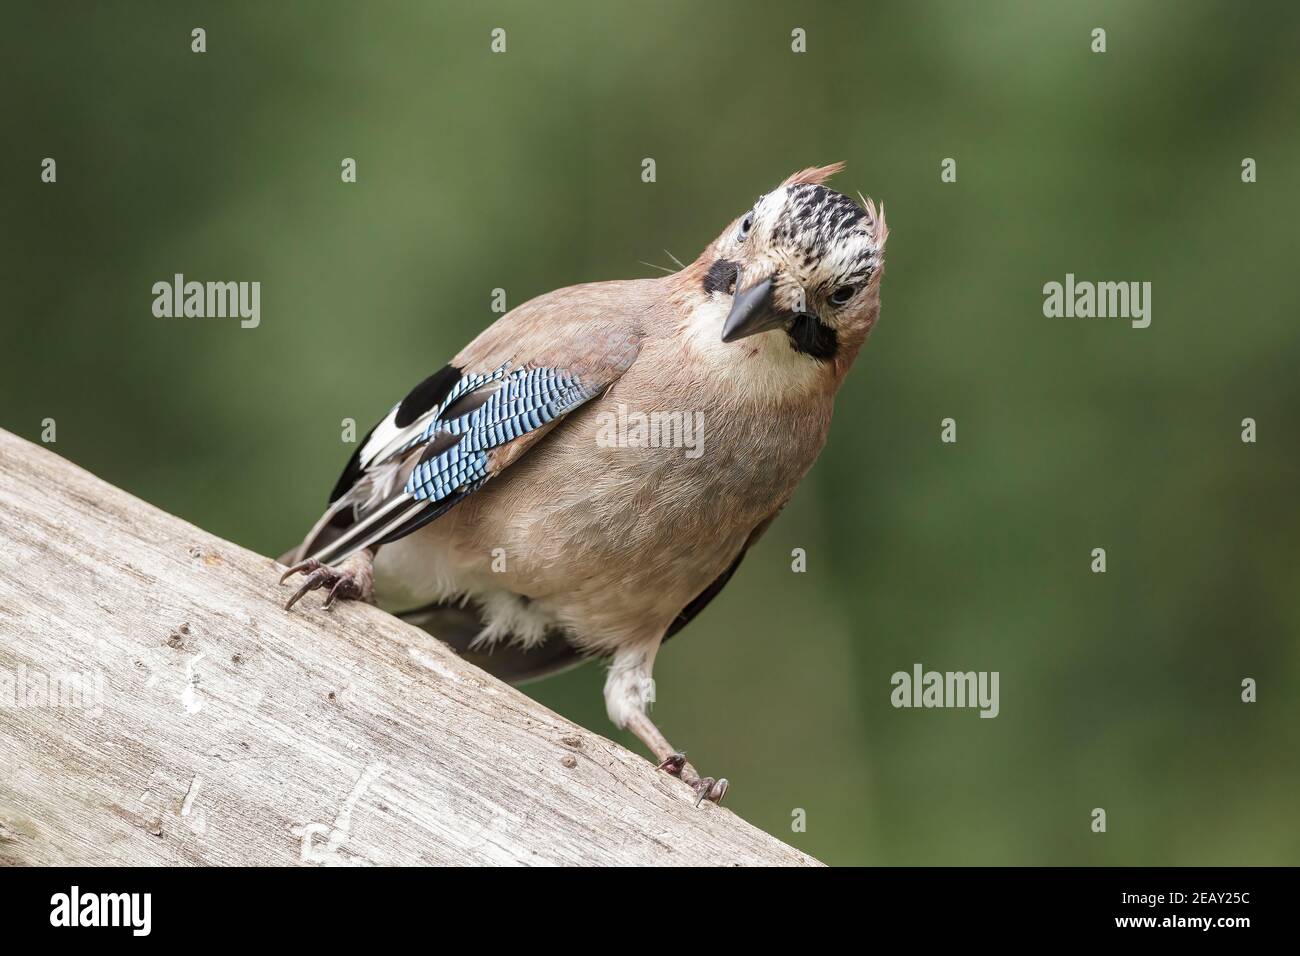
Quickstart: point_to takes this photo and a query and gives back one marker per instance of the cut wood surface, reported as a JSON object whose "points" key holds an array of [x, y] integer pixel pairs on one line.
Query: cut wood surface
{"points": [[158, 706]]}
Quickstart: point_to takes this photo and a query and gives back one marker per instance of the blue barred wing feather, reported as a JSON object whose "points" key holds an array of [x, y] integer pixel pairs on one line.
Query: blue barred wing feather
{"points": [[436, 447]]}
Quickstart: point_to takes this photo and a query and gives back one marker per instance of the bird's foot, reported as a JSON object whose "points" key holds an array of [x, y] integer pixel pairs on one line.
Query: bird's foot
{"points": [[347, 583], [706, 788]]}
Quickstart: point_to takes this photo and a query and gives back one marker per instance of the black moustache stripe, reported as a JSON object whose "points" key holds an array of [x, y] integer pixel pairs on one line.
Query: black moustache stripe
{"points": [[808, 336]]}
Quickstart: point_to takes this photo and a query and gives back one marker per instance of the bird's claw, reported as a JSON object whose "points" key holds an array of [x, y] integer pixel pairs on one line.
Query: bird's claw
{"points": [[342, 584], [706, 788]]}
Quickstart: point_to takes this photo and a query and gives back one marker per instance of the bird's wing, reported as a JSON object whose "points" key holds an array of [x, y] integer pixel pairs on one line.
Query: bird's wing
{"points": [[464, 424], [702, 599]]}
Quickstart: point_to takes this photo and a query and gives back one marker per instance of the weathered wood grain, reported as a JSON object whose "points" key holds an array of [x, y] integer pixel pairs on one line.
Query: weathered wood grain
{"points": [[202, 724]]}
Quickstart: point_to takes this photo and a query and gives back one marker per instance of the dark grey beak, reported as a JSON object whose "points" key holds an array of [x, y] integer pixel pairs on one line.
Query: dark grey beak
{"points": [[753, 312]]}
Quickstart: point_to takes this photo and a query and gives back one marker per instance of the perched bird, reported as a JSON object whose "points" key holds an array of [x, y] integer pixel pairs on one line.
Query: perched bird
{"points": [[490, 508]]}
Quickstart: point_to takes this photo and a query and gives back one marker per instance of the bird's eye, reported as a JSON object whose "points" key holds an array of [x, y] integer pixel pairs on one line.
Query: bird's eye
{"points": [[842, 295], [746, 224]]}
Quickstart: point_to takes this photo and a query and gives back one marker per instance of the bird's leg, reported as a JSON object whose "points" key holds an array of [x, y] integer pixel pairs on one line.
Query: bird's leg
{"points": [[674, 761], [629, 690], [352, 580]]}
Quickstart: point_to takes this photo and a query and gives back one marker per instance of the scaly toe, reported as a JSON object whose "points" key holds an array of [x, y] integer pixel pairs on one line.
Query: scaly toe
{"points": [[315, 580], [707, 788], [704, 789], [345, 587], [308, 565], [674, 763]]}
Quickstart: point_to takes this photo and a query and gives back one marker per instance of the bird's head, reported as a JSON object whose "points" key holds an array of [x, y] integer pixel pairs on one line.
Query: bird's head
{"points": [[803, 264]]}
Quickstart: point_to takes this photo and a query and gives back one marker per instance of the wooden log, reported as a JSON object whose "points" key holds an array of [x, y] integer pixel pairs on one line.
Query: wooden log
{"points": [[158, 706]]}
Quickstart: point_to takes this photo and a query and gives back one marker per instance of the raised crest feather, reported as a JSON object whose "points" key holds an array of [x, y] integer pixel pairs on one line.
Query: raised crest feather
{"points": [[814, 175], [818, 176]]}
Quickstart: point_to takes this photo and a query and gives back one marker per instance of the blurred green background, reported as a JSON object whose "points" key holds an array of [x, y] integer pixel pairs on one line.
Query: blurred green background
{"points": [[522, 170]]}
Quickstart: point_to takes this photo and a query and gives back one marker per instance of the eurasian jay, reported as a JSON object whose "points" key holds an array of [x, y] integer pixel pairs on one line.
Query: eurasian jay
{"points": [[490, 508]]}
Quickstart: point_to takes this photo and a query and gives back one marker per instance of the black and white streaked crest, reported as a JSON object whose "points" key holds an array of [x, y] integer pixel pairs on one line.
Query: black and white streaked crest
{"points": [[822, 226]]}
